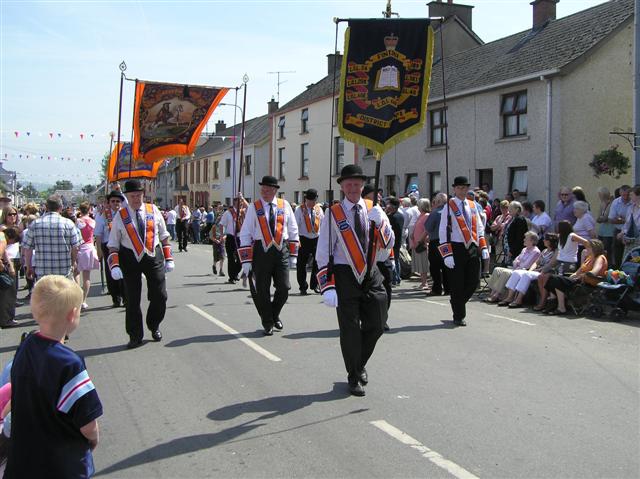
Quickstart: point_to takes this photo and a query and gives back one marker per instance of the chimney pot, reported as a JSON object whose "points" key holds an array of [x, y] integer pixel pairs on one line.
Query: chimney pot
{"points": [[543, 10], [272, 105], [220, 125], [437, 8], [334, 62]]}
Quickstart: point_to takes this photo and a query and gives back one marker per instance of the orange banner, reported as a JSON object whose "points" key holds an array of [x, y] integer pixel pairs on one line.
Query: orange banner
{"points": [[118, 167]]}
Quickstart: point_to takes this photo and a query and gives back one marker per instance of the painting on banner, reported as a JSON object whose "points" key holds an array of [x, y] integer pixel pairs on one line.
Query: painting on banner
{"points": [[122, 166], [384, 81], [168, 118]]}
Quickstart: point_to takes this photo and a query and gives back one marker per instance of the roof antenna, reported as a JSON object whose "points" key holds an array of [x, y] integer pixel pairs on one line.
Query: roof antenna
{"points": [[280, 82]]}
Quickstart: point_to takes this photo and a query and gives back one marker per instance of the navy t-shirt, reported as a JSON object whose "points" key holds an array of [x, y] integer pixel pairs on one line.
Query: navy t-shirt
{"points": [[52, 397]]}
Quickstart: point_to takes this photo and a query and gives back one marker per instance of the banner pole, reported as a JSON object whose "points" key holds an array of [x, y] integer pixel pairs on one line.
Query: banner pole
{"points": [[106, 172], [132, 130], [123, 68], [245, 80], [444, 109]]}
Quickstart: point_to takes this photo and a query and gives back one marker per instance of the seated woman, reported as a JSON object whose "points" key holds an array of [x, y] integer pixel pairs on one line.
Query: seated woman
{"points": [[519, 281], [594, 265], [525, 259]]}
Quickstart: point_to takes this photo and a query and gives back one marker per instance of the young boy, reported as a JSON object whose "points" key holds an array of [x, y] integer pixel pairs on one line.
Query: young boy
{"points": [[217, 240], [55, 406]]}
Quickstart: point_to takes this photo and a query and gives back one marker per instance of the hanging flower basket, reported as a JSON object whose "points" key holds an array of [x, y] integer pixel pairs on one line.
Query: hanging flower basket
{"points": [[610, 162]]}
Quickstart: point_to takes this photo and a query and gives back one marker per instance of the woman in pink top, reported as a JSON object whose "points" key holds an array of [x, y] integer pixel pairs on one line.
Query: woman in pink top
{"points": [[87, 255], [418, 242]]}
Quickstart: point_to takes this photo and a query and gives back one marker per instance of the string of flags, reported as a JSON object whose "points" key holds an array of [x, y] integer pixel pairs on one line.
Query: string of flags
{"points": [[52, 135], [29, 156]]}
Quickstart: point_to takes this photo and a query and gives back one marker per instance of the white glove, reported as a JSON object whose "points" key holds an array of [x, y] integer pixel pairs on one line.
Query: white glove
{"points": [[168, 266], [376, 214], [293, 261], [116, 273], [330, 298], [246, 269], [485, 254], [449, 262]]}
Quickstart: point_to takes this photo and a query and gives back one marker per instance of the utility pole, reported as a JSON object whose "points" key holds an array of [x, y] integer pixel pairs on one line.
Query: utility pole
{"points": [[636, 94], [280, 82]]}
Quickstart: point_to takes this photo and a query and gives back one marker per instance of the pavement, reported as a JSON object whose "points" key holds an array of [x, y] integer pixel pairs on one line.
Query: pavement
{"points": [[515, 394]]}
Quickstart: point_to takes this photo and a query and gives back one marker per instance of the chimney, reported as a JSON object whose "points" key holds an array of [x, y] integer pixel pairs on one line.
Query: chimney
{"points": [[220, 125], [272, 106], [543, 10], [334, 62], [440, 9]]}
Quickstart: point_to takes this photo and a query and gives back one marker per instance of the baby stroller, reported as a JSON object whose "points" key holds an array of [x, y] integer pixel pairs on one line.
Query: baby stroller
{"points": [[621, 292]]}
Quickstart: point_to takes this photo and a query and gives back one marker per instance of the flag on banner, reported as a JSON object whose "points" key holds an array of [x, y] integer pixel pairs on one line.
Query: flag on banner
{"points": [[118, 167], [168, 118], [384, 81]]}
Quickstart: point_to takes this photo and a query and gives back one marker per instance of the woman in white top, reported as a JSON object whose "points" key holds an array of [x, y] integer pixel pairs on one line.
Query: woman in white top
{"points": [[541, 222], [630, 234]]}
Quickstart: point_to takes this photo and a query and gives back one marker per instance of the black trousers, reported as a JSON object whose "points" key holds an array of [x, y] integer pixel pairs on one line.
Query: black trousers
{"points": [[437, 269], [361, 317], [307, 248], [270, 266], [153, 269], [116, 288], [233, 262], [182, 227], [386, 269], [464, 278], [8, 298]]}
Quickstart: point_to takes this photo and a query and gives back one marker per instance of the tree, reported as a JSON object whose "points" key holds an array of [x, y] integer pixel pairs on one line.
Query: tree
{"points": [[63, 185], [103, 167], [87, 189], [30, 191]]}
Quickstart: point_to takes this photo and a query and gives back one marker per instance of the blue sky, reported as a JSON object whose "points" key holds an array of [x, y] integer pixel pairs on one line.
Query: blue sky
{"points": [[59, 62]]}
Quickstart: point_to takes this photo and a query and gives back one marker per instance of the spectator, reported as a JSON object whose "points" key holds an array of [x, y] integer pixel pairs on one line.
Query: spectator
{"points": [[617, 217], [585, 225], [87, 254], [55, 241], [578, 195], [171, 223], [418, 242], [527, 210], [489, 191], [605, 229], [396, 219], [564, 208], [183, 216], [217, 236], [436, 264], [8, 294], [498, 226], [514, 232], [413, 212], [196, 220], [541, 221], [630, 234], [515, 195], [209, 219], [54, 404]]}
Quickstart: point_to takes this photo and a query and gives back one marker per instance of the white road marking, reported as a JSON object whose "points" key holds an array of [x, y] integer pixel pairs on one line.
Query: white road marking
{"points": [[449, 466], [230, 330], [435, 302], [509, 319]]}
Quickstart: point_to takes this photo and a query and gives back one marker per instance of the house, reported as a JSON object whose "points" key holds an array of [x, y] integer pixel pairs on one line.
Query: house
{"points": [[527, 111]]}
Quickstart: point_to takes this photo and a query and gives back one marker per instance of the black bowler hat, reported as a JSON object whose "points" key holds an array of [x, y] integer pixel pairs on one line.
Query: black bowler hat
{"points": [[115, 194], [311, 194], [351, 171], [460, 181], [269, 181], [131, 186], [368, 189]]}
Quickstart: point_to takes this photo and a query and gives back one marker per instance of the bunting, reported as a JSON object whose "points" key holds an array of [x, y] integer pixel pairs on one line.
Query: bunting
{"points": [[168, 118], [118, 168]]}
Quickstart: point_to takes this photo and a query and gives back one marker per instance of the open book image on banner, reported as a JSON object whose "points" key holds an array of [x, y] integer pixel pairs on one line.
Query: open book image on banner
{"points": [[118, 168], [384, 81], [169, 118]]}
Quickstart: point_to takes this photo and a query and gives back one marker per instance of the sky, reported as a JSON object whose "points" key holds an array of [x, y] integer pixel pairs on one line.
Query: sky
{"points": [[59, 77]]}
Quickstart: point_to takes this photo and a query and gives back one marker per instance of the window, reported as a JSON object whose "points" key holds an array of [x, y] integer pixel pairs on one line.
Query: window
{"points": [[191, 172], [514, 114], [304, 121], [338, 154], [227, 168], [328, 194], [216, 174], [198, 171], [185, 173], [411, 178], [281, 163], [336, 105], [304, 160], [518, 179], [247, 164], [438, 127], [281, 128], [390, 185], [485, 177], [206, 170], [435, 182], [227, 201], [296, 197]]}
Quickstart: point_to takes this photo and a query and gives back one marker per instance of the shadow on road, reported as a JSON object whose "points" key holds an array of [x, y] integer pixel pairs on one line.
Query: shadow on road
{"points": [[324, 333], [420, 327], [212, 338]]}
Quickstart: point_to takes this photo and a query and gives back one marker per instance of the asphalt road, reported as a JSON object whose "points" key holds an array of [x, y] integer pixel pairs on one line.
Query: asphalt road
{"points": [[513, 395]]}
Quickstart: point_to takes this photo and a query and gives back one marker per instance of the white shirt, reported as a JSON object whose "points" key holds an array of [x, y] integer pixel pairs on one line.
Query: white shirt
{"points": [[228, 223], [251, 231], [187, 212], [414, 214], [119, 236], [569, 252], [456, 234], [542, 223], [102, 226], [171, 217], [302, 225]]}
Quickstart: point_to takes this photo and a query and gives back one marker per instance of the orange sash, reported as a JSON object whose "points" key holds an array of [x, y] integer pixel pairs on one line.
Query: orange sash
{"points": [[263, 221], [469, 236], [315, 227], [350, 243], [140, 248], [108, 216]]}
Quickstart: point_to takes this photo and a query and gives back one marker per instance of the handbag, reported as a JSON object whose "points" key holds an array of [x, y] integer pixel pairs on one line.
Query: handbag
{"points": [[6, 280]]}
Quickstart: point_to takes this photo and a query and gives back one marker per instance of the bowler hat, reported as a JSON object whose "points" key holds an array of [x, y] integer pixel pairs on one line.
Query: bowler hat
{"points": [[269, 181], [131, 186], [311, 194], [115, 194], [461, 181], [351, 171]]}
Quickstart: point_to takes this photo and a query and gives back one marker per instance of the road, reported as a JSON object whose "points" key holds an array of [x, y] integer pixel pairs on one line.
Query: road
{"points": [[513, 395]]}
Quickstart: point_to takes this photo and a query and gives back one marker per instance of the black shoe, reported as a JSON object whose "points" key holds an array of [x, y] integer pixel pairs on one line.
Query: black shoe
{"points": [[303, 292], [356, 389], [134, 343], [116, 303], [278, 325], [215, 270], [386, 327], [156, 335], [180, 250], [12, 323], [268, 331], [363, 377], [317, 289], [185, 250], [459, 322], [231, 281], [435, 293]]}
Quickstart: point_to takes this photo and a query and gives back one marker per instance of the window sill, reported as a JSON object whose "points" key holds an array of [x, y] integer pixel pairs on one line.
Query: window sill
{"points": [[435, 148], [306, 178], [282, 138], [509, 139], [304, 132]]}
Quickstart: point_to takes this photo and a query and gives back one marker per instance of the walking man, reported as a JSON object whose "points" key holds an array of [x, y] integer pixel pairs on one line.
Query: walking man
{"points": [[437, 269], [103, 228], [269, 239], [182, 224], [462, 245], [350, 284], [233, 219], [139, 244], [308, 217]]}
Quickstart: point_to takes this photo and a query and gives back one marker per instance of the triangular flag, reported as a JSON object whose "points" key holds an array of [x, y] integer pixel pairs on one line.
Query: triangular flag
{"points": [[28, 133], [82, 136], [17, 133], [51, 135], [59, 135]]}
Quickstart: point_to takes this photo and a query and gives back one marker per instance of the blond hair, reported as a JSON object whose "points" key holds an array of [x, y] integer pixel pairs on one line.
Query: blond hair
{"points": [[53, 297]]}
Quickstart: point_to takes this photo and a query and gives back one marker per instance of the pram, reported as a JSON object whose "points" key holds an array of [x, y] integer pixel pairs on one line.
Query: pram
{"points": [[620, 293]]}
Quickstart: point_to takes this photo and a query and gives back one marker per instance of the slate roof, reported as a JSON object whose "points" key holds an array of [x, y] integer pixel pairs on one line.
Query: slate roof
{"points": [[554, 45], [256, 131]]}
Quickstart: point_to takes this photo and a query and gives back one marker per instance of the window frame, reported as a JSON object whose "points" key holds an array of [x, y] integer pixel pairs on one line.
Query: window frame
{"points": [[440, 127], [338, 165], [516, 111], [432, 175], [216, 171], [247, 165], [227, 167], [304, 160], [282, 162], [512, 174], [304, 121], [281, 127]]}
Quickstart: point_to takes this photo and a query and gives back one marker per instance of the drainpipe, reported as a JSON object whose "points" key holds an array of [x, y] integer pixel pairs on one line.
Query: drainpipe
{"points": [[548, 139]]}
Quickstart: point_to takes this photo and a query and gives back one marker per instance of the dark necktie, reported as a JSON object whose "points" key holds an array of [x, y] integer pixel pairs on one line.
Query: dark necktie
{"points": [[358, 226], [272, 219], [313, 221], [141, 228], [465, 213]]}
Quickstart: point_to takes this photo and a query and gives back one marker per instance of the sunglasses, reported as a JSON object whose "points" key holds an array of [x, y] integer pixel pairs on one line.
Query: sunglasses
{"points": [[12, 214]]}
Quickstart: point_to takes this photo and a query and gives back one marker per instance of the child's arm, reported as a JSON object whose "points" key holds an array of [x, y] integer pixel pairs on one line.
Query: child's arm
{"points": [[91, 432]]}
